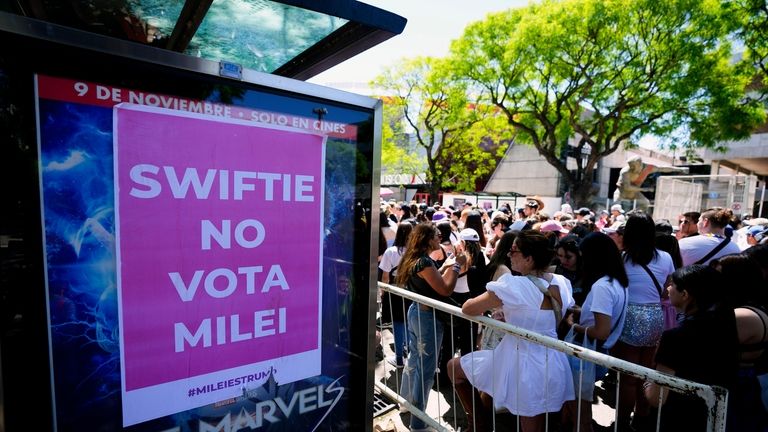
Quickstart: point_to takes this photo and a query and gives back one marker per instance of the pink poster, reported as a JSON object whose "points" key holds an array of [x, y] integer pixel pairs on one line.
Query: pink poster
{"points": [[219, 246]]}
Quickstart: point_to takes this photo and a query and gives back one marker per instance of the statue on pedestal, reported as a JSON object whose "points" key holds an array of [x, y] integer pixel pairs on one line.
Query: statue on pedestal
{"points": [[629, 190]]}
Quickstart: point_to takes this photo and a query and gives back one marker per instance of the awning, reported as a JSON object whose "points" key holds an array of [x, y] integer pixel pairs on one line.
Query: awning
{"points": [[292, 38]]}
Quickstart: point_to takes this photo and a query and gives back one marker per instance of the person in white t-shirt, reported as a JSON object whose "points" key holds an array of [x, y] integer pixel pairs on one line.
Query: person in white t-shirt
{"points": [[648, 270], [393, 307], [697, 249], [603, 313]]}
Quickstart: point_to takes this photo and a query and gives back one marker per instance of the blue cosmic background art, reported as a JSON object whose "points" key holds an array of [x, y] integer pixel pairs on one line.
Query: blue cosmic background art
{"points": [[78, 203]]}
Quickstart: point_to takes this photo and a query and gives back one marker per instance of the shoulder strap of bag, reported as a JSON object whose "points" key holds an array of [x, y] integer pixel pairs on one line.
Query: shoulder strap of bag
{"points": [[556, 306], [655, 281], [623, 309], [715, 250]]}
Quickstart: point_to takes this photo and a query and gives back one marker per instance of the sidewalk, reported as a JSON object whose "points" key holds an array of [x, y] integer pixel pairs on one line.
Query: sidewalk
{"points": [[441, 403], [396, 420]]}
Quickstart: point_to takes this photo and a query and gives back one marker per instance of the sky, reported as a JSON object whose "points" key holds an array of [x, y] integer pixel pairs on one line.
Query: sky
{"points": [[431, 26]]}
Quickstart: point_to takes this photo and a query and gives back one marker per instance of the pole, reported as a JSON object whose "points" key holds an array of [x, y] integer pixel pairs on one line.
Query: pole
{"points": [[762, 198]]}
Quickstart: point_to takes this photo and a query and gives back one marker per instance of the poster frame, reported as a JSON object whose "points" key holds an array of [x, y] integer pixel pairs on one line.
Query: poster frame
{"points": [[28, 29]]}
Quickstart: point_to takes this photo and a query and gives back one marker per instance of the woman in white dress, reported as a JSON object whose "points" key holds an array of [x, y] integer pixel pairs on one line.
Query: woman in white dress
{"points": [[527, 379]]}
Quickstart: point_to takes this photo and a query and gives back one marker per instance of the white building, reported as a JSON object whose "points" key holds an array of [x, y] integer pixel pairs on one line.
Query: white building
{"points": [[524, 171]]}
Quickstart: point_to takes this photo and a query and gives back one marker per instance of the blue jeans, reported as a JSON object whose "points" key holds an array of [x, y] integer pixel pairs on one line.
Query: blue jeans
{"points": [[398, 329], [425, 335]]}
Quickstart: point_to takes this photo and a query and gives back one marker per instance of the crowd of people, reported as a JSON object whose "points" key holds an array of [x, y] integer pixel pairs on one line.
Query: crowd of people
{"points": [[688, 299]]}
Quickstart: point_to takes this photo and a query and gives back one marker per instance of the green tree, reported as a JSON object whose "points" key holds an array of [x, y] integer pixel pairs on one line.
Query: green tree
{"points": [[750, 20], [602, 73], [398, 155], [444, 122]]}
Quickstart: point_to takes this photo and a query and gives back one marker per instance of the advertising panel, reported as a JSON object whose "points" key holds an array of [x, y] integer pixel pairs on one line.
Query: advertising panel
{"points": [[199, 258]]}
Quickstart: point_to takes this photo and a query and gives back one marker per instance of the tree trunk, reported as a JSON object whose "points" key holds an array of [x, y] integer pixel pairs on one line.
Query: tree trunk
{"points": [[582, 193], [434, 192]]}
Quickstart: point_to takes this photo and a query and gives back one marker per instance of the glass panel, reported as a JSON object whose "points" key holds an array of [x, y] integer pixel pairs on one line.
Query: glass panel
{"points": [[148, 22], [73, 171], [158, 16], [258, 34]]}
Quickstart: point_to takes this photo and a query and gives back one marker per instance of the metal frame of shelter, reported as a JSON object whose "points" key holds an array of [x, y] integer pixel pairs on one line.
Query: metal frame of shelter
{"points": [[367, 27]]}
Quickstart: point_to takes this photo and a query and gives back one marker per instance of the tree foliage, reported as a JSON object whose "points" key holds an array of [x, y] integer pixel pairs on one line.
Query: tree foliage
{"points": [[446, 125], [607, 72], [398, 155], [750, 21]]}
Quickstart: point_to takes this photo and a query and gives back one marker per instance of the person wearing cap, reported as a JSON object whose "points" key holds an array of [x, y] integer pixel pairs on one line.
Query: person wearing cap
{"points": [[616, 233], [418, 273], [617, 214], [439, 216], [755, 234], [471, 283], [553, 226], [566, 208], [533, 205], [474, 219]]}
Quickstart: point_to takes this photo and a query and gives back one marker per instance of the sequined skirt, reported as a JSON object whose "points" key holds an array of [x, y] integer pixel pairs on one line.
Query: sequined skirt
{"points": [[644, 325]]}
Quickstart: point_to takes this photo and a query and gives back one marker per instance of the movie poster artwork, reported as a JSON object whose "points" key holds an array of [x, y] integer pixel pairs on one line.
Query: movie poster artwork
{"points": [[187, 261]]}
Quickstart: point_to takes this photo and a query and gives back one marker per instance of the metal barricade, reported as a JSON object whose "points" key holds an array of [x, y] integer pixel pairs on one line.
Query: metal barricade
{"points": [[715, 398]]}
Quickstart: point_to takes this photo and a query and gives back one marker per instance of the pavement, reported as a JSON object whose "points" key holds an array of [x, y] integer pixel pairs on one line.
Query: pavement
{"points": [[441, 403]]}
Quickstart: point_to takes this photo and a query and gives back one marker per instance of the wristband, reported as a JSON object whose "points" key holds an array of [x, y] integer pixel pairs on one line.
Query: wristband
{"points": [[457, 268]]}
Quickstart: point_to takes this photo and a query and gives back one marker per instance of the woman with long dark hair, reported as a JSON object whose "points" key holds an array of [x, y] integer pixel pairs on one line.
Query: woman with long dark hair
{"points": [[746, 295], [446, 249], [394, 307], [417, 272], [603, 313], [701, 349], [527, 379], [648, 270], [569, 265], [498, 266], [474, 220]]}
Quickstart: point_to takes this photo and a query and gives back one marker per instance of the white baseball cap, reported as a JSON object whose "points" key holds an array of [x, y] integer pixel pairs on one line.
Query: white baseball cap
{"points": [[468, 234]]}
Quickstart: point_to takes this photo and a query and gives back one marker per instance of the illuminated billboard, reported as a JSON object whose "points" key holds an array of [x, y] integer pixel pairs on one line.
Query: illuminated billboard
{"points": [[205, 246]]}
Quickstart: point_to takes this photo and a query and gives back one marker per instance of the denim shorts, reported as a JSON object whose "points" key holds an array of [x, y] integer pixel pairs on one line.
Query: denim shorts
{"points": [[644, 325]]}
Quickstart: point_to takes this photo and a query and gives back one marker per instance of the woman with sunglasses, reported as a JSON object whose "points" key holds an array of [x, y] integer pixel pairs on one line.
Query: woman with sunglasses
{"points": [[527, 379], [499, 225]]}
